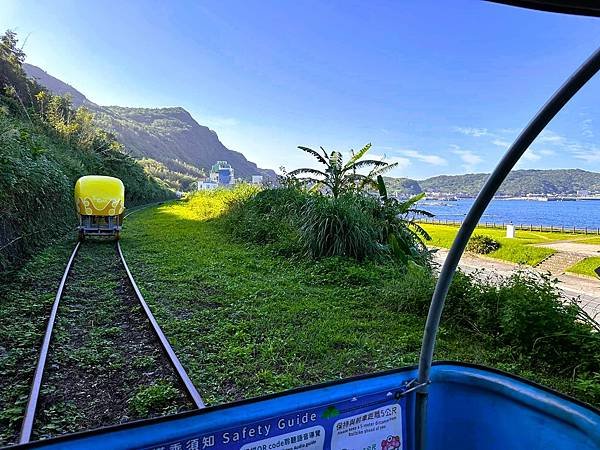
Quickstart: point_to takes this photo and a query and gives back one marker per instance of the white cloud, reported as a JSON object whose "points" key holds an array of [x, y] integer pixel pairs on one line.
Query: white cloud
{"points": [[426, 158], [546, 152], [402, 163], [509, 130], [587, 153], [470, 131], [531, 155], [588, 157], [586, 128], [550, 137], [469, 158], [501, 143]]}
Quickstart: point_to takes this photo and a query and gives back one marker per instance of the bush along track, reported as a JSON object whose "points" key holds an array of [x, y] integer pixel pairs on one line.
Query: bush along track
{"points": [[104, 365]]}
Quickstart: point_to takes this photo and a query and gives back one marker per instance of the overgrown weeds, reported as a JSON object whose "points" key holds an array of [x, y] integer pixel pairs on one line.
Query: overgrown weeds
{"points": [[299, 223], [524, 312]]}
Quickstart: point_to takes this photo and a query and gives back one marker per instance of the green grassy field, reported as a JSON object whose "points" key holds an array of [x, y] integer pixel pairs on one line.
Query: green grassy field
{"points": [[243, 321], [517, 250], [586, 267], [246, 323]]}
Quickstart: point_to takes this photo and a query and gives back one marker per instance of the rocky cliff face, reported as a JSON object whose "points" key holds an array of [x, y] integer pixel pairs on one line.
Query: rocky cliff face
{"points": [[164, 134]]}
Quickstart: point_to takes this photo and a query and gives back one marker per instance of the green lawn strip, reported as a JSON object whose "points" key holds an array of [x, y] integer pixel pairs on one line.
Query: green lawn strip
{"points": [[246, 323], [586, 239], [517, 250], [586, 267], [26, 297]]}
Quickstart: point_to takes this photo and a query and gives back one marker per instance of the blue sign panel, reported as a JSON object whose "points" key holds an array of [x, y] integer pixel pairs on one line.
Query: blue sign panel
{"points": [[369, 422], [225, 176]]}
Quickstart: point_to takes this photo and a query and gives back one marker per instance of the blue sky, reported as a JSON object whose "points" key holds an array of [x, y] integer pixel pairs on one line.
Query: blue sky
{"points": [[441, 87]]}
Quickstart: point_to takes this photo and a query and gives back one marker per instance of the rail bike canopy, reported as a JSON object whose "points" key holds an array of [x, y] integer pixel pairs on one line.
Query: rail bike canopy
{"points": [[471, 407], [97, 195], [100, 203], [576, 7]]}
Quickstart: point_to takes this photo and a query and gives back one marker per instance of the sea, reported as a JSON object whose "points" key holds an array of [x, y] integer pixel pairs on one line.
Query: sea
{"points": [[579, 214]]}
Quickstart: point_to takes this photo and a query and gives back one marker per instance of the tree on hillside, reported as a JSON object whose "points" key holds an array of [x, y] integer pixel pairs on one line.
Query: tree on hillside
{"points": [[13, 82], [339, 177]]}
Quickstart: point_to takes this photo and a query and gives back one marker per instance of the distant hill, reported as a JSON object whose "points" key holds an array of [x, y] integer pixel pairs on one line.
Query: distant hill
{"points": [[518, 183], [403, 185], [168, 135]]}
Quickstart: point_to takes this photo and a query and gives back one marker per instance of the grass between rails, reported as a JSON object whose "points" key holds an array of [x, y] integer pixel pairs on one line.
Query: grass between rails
{"points": [[93, 309], [246, 323], [105, 365], [586, 267]]}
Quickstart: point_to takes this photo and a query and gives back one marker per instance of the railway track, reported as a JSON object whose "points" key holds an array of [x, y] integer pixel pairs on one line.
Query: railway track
{"points": [[186, 384]]}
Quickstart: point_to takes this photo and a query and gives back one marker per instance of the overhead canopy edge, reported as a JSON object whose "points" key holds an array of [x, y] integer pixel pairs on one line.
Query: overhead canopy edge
{"points": [[575, 7]]}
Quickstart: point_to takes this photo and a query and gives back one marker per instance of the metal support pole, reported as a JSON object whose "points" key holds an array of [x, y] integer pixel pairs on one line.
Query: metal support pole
{"points": [[581, 76]]}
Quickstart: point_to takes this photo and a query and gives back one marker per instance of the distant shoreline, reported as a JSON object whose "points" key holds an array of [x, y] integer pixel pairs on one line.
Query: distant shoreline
{"points": [[564, 214]]}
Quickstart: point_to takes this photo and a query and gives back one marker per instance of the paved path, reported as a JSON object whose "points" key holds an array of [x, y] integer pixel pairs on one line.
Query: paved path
{"points": [[585, 250], [559, 262], [572, 286]]}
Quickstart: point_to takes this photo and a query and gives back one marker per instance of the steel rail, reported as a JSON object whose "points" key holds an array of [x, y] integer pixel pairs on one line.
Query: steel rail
{"points": [[27, 426], [32, 403], [558, 100], [181, 373]]}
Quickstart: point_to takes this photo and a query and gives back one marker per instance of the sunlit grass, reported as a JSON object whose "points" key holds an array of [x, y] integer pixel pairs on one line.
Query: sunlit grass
{"points": [[586, 267], [517, 250], [245, 322]]}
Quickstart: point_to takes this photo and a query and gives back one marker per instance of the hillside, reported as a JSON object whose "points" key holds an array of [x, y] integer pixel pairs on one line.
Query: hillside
{"points": [[44, 147], [168, 135], [518, 183]]}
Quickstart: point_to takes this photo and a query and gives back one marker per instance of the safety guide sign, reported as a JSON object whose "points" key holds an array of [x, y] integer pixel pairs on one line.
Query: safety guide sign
{"points": [[369, 422], [367, 430]]}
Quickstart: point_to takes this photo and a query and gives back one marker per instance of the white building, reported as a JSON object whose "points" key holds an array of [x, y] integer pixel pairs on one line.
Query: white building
{"points": [[205, 185], [257, 179], [222, 173]]}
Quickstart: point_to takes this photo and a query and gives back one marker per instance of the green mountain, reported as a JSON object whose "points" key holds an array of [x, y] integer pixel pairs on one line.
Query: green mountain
{"points": [[168, 135], [518, 183]]}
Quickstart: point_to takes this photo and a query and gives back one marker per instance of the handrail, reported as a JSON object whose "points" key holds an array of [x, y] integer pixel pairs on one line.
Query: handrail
{"points": [[558, 100]]}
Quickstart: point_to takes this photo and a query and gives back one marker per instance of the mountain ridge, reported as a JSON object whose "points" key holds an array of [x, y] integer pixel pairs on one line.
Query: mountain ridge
{"points": [[169, 135], [517, 183]]}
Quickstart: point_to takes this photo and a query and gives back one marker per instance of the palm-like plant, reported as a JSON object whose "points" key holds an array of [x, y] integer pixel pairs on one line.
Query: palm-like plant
{"points": [[340, 177], [399, 228]]}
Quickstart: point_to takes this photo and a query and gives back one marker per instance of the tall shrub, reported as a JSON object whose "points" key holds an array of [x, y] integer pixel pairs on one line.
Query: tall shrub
{"points": [[339, 227]]}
